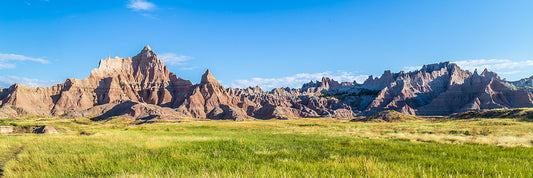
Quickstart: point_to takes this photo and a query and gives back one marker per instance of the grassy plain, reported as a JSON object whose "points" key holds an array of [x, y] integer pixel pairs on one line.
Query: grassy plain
{"points": [[271, 148]]}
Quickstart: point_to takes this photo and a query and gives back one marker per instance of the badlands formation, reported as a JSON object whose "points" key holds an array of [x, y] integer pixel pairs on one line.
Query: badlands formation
{"points": [[142, 87]]}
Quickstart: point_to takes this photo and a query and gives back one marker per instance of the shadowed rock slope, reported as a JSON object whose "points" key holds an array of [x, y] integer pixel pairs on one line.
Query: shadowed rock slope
{"points": [[142, 87]]}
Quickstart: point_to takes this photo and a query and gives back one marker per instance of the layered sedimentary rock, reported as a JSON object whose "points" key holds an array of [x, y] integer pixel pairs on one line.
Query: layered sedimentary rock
{"points": [[478, 92], [436, 89], [142, 87], [525, 83], [405, 92], [143, 78]]}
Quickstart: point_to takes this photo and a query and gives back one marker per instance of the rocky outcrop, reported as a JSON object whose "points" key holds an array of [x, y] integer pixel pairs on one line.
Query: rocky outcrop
{"points": [[6, 129], [46, 129], [142, 87], [436, 89], [143, 78], [324, 84], [408, 91], [525, 83], [478, 92]]}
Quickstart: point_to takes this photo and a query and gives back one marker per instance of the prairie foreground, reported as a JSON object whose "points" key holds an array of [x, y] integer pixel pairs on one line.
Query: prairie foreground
{"points": [[271, 148]]}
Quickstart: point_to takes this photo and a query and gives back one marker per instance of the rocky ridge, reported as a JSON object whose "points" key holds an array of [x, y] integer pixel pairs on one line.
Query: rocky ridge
{"points": [[142, 87]]}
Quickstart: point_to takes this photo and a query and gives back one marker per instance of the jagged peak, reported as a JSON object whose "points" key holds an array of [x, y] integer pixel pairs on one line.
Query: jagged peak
{"points": [[484, 71], [438, 66], [147, 48], [147, 52], [144, 65], [387, 73], [487, 73], [324, 83], [207, 77], [147, 57]]}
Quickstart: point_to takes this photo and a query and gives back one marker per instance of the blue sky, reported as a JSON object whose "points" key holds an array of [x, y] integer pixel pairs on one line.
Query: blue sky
{"points": [[270, 43]]}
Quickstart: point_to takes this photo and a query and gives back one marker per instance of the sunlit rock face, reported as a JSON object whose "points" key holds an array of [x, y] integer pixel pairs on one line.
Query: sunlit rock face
{"points": [[121, 83]]}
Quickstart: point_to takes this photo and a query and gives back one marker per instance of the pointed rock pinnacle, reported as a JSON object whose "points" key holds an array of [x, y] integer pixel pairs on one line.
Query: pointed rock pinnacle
{"points": [[207, 77]]}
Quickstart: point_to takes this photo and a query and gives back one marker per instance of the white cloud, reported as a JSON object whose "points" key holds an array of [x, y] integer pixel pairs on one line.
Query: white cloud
{"points": [[6, 66], [504, 67], [174, 59], [6, 59], [6, 81], [412, 68], [141, 5], [296, 81], [481, 64], [17, 57], [493, 64], [510, 72], [189, 68], [150, 16]]}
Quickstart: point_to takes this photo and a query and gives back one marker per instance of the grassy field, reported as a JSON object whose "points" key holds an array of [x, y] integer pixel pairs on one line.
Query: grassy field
{"points": [[271, 148]]}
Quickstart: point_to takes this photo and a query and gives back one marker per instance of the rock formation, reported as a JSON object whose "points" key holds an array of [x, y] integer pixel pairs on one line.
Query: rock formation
{"points": [[525, 83], [6, 129], [435, 89], [46, 129], [142, 87]]}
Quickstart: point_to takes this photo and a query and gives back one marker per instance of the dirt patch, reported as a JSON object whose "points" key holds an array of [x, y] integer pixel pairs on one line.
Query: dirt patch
{"points": [[6, 129]]}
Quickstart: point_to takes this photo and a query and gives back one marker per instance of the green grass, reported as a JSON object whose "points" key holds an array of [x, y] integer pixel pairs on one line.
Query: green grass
{"points": [[272, 148]]}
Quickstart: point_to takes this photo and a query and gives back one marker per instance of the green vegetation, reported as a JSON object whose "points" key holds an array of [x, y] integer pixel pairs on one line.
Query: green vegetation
{"points": [[525, 114], [389, 116], [272, 148]]}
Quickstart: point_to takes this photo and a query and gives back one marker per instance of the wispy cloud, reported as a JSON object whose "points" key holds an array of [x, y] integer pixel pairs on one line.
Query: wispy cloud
{"points": [[6, 81], [510, 72], [412, 68], [18, 57], [188, 68], [141, 5], [149, 15], [296, 81], [174, 59], [490, 64], [505, 67], [493, 64], [6, 65], [7, 59]]}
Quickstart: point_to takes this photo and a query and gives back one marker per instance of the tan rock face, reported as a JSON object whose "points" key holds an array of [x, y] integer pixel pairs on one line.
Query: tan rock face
{"points": [[143, 78]]}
